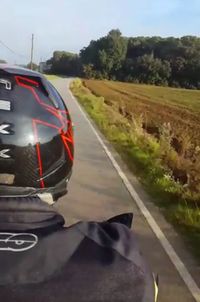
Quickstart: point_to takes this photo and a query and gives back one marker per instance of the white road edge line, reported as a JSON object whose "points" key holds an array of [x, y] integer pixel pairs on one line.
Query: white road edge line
{"points": [[181, 268]]}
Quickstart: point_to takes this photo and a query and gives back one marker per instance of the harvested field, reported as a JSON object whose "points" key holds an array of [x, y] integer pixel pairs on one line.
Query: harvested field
{"points": [[179, 107]]}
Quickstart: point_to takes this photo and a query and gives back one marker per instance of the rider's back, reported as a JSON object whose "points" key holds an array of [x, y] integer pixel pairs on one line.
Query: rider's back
{"points": [[41, 260]]}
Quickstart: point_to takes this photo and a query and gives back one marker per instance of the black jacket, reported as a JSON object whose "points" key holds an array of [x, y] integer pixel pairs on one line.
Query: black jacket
{"points": [[41, 260]]}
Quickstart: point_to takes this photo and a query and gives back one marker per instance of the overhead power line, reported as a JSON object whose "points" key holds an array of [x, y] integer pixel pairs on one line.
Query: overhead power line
{"points": [[11, 50]]}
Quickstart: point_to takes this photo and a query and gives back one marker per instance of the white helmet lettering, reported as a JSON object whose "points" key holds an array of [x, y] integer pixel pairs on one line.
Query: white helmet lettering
{"points": [[6, 83], [17, 242], [3, 129], [3, 153], [5, 105]]}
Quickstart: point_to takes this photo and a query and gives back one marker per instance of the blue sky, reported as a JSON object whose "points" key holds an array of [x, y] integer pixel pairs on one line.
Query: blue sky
{"points": [[71, 24]]}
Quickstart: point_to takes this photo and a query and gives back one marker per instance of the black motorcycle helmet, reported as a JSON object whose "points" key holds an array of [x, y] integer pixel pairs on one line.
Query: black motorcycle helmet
{"points": [[36, 136]]}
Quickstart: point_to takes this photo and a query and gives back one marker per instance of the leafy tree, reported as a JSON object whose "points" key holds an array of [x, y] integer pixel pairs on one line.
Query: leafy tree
{"points": [[88, 71], [34, 66], [150, 70], [153, 60], [106, 54], [65, 63]]}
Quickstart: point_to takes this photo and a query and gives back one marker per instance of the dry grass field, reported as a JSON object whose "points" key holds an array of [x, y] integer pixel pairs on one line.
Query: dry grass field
{"points": [[180, 107]]}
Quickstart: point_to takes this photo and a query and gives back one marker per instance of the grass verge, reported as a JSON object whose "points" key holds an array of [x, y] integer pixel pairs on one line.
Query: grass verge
{"points": [[142, 152], [51, 77]]}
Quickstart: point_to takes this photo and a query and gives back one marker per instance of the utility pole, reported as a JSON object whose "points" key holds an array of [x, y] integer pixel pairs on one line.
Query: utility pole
{"points": [[32, 45]]}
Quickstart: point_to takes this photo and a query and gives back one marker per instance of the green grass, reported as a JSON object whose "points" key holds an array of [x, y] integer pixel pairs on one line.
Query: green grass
{"points": [[140, 151], [51, 77]]}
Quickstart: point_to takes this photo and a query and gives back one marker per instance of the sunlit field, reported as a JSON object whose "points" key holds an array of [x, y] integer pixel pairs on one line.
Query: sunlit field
{"points": [[156, 130]]}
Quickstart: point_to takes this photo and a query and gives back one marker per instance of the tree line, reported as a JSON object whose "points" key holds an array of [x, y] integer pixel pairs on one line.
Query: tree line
{"points": [[152, 60]]}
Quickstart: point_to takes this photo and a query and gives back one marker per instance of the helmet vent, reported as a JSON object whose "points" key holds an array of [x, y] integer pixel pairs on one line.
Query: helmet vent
{"points": [[7, 179]]}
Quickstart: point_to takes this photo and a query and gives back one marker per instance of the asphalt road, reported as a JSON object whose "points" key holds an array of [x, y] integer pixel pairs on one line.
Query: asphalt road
{"points": [[96, 192]]}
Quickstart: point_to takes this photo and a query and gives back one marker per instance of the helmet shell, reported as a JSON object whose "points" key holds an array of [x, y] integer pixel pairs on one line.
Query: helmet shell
{"points": [[36, 136]]}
